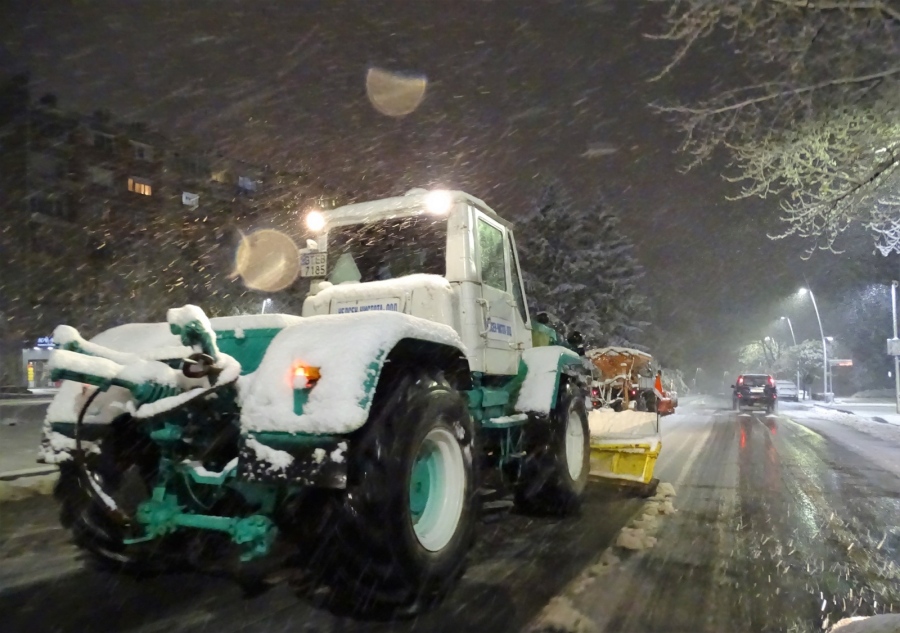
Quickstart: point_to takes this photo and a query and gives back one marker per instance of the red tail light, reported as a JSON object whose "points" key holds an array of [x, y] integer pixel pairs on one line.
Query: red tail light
{"points": [[740, 380], [771, 381]]}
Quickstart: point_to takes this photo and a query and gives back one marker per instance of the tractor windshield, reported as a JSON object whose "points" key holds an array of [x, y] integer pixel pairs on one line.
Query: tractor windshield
{"points": [[387, 249]]}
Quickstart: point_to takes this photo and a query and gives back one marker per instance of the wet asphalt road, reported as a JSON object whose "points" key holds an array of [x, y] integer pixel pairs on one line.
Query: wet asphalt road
{"points": [[784, 523]]}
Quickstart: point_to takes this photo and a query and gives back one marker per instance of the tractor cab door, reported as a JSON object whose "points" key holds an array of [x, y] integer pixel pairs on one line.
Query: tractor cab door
{"points": [[504, 328]]}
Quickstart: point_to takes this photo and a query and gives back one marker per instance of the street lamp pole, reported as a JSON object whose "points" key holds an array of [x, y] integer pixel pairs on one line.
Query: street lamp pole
{"points": [[896, 358], [794, 339], [824, 346]]}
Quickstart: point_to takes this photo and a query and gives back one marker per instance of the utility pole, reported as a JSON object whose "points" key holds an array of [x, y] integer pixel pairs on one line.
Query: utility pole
{"points": [[896, 358]]}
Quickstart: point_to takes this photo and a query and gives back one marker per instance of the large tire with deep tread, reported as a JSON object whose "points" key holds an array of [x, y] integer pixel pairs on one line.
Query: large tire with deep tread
{"points": [[546, 484], [369, 551]]}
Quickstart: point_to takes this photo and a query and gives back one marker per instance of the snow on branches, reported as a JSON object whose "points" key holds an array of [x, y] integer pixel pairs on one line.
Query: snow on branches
{"points": [[579, 266], [816, 125]]}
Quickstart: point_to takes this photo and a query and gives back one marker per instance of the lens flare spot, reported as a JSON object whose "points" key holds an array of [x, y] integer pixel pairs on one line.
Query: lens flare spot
{"points": [[267, 260], [395, 94]]}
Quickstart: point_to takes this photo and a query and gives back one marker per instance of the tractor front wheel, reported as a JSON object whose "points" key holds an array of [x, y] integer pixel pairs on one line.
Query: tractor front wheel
{"points": [[120, 472], [396, 540]]}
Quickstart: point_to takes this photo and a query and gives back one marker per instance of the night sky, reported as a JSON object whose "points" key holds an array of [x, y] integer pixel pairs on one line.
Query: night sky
{"points": [[517, 93]]}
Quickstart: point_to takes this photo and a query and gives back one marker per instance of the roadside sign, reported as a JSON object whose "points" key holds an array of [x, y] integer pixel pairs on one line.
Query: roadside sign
{"points": [[313, 264], [893, 347]]}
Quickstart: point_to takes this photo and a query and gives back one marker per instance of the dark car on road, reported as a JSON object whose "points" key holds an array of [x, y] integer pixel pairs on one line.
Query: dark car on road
{"points": [[754, 390]]}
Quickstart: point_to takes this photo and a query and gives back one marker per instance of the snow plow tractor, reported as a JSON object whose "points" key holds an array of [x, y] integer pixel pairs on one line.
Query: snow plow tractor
{"points": [[356, 440]]}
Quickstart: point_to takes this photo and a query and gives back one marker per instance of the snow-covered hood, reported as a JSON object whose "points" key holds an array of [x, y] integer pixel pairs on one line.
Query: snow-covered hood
{"points": [[348, 350]]}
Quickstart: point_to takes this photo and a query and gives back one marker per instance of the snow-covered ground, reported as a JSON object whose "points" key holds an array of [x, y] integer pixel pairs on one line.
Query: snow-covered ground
{"points": [[882, 408]]}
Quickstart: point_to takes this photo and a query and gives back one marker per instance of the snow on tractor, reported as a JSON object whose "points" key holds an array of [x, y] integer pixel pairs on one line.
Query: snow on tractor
{"points": [[357, 439]]}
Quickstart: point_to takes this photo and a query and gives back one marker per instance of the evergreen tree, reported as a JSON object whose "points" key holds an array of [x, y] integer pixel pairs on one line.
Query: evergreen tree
{"points": [[579, 266]]}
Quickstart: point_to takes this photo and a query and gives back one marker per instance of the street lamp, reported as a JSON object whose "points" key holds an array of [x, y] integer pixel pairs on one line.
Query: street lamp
{"points": [[802, 292], [790, 327]]}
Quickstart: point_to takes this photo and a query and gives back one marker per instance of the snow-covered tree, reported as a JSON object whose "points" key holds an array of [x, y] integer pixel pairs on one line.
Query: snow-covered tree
{"points": [[578, 265], [807, 356], [763, 355], [812, 119]]}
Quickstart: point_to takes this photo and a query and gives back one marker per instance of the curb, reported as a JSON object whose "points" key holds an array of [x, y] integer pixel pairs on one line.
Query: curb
{"points": [[821, 406], [12, 475], [25, 396]]}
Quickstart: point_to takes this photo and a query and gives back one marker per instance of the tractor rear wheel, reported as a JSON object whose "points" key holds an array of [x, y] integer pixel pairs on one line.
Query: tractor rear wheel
{"points": [[557, 462]]}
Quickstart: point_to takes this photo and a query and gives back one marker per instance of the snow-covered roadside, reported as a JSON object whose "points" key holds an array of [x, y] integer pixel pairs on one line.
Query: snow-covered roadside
{"points": [[26, 487], [879, 430], [561, 614], [885, 623], [876, 410]]}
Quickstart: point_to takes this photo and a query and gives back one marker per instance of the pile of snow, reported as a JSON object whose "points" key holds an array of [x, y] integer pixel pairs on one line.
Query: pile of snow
{"points": [[640, 534], [635, 539], [439, 289], [71, 397], [278, 460], [874, 393], [885, 623], [241, 323], [614, 351], [610, 426], [665, 489], [348, 350], [561, 616]]}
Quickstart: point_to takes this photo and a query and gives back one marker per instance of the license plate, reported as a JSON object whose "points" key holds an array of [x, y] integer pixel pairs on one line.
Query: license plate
{"points": [[313, 264], [756, 390]]}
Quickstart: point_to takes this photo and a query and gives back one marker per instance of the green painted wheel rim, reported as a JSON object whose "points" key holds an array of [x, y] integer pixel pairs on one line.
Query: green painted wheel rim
{"points": [[574, 444], [420, 483], [437, 488]]}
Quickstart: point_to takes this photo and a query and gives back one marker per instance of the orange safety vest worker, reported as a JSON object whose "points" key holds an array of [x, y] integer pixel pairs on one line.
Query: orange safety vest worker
{"points": [[657, 386]]}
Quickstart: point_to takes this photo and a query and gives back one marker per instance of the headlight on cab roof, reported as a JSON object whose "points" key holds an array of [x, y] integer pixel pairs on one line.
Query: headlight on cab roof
{"points": [[315, 221]]}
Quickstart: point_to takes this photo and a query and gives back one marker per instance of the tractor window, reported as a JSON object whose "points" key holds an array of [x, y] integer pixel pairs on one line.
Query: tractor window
{"points": [[516, 281], [490, 255], [387, 249]]}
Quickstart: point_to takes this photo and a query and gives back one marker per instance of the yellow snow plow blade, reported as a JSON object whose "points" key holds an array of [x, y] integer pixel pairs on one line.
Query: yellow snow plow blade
{"points": [[626, 461], [624, 447]]}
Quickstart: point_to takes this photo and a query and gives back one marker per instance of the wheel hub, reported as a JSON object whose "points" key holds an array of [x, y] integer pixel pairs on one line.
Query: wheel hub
{"points": [[574, 445], [437, 488]]}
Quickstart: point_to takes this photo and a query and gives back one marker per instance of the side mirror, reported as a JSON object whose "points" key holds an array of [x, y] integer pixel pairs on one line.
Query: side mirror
{"points": [[732, 386]]}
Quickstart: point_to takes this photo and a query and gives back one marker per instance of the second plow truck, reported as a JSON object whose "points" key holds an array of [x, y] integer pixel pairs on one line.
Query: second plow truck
{"points": [[624, 423], [356, 440]]}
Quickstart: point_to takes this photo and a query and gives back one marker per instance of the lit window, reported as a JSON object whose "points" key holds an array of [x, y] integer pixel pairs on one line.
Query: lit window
{"points": [[140, 186]]}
